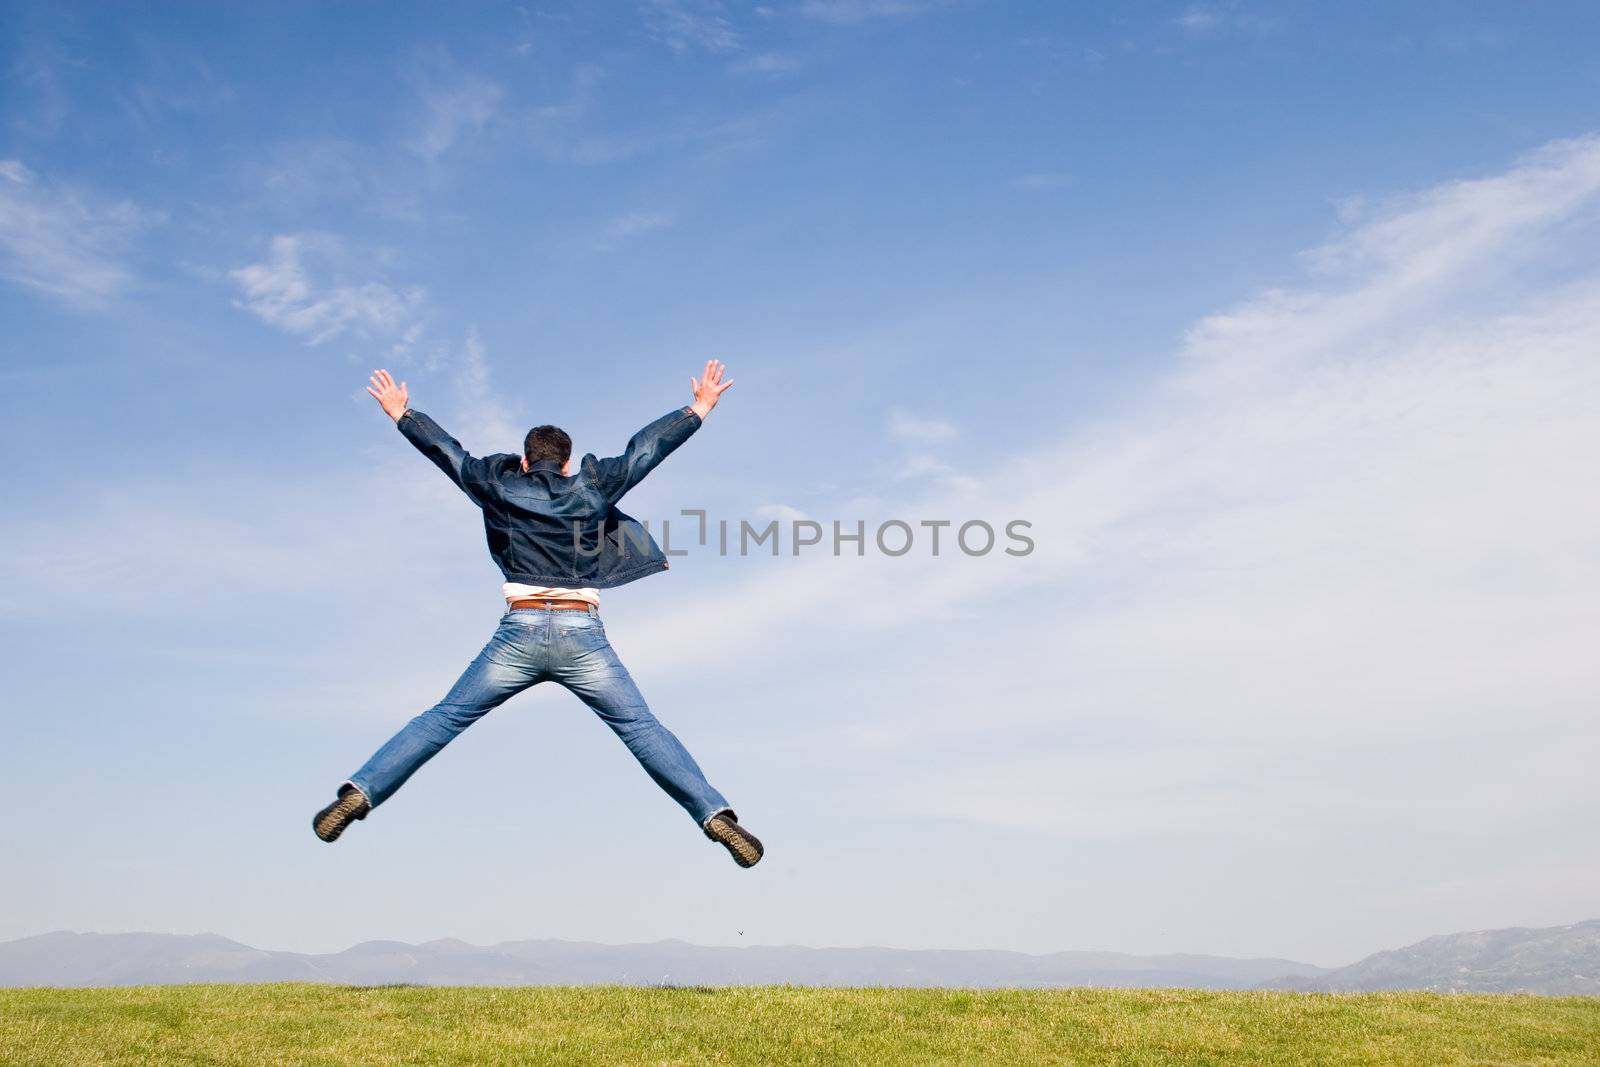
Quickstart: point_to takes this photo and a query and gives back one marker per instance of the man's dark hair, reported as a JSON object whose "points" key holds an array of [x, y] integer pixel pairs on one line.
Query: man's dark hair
{"points": [[546, 442]]}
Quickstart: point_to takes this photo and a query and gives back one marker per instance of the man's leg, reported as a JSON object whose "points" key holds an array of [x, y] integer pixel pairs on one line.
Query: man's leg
{"points": [[583, 660], [506, 666]]}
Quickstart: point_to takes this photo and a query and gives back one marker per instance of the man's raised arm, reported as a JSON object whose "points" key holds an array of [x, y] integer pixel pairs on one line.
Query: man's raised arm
{"points": [[431, 440], [647, 448]]}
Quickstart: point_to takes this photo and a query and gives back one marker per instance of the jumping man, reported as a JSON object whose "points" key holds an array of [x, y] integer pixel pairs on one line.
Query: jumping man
{"points": [[558, 538]]}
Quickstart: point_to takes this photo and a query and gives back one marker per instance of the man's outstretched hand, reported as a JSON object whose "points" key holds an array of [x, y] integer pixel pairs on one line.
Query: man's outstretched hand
{"points": [[393, 397], [708, 388]]}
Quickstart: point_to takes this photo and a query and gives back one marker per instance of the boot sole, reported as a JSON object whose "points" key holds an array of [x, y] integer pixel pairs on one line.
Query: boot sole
{"points": [[742, 836], [330, 813]]}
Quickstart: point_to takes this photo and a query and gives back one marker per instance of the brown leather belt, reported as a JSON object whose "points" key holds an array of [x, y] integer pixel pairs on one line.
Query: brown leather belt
{"points": [[554, 605]]}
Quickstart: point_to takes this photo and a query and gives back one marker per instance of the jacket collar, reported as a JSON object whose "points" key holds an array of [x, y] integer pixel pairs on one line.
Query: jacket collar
{"points": [[543, 465]]}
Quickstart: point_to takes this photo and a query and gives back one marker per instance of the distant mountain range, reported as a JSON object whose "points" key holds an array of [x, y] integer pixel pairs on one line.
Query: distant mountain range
{"points": [[140, 959], [1556, 960], [1560, 960]]}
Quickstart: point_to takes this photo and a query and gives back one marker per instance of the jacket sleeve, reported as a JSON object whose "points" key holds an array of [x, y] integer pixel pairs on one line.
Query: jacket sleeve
{"points": [[445, 451], [646, 449]]}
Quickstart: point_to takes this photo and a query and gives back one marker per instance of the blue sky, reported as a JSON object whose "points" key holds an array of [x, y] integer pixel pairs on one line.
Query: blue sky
{"points": [[1277, 321]]}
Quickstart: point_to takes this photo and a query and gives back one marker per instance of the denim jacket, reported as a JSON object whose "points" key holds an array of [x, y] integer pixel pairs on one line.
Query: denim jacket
{"points": [[544, 529]]}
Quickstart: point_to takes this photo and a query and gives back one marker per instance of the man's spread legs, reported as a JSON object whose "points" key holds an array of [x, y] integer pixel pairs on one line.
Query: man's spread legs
{"points": [[529, 646]]}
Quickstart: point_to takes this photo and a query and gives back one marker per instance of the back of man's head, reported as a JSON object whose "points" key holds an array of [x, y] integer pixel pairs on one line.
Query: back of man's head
{"points": [[546, 443]]}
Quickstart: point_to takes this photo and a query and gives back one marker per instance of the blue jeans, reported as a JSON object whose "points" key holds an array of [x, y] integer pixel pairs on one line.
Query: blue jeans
{"points": [[533, 645]]}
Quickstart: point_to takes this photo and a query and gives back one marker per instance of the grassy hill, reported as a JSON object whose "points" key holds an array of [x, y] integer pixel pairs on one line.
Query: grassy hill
{"points": [[319, 1024]]}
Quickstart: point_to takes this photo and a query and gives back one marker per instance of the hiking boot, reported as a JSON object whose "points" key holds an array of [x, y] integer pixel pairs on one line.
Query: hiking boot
{"points": [[724, 829], [332, 820]]}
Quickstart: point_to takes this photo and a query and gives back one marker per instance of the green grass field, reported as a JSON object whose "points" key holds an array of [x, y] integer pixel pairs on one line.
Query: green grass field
{"points": [[310, 1024]]}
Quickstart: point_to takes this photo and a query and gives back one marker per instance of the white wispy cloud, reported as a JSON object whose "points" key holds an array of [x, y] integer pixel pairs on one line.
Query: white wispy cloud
{"points": [[64, 242], [769, 63], [566, 131], [449, 111], [575, 128], [1204, 20], [685, 24], [1345, 533], [919, 430], [283, 292], [483, 411], [851, 12], [628, 226], [1199, 19]]}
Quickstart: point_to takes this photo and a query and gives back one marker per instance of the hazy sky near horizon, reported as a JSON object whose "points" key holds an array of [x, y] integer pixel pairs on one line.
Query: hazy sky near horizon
{"points": [[1278, 322]]}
